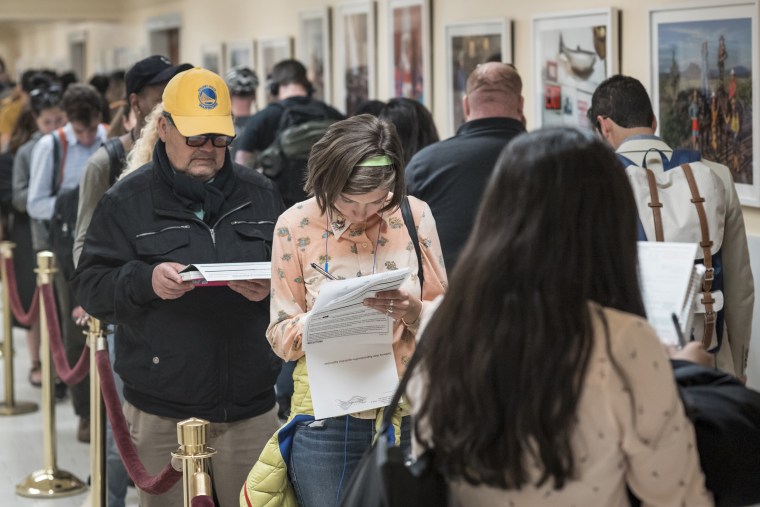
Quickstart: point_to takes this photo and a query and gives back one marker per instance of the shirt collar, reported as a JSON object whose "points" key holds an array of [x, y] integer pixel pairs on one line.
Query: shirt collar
{"points": [[340, 224], [71, 138]]}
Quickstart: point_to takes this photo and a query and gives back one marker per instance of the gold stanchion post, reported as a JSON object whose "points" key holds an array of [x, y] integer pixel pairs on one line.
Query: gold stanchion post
{"points": [[50, 481], [10, 406], [98, 486], [195, 456]]}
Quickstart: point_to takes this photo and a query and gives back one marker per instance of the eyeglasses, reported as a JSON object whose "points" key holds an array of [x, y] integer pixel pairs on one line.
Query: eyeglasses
{"points": [[218, 140]]}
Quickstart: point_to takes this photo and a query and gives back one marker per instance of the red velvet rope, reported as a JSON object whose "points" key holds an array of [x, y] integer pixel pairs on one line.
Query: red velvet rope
{"points": [[202, 501], [70, 376], [25, 319], [155, 485]]}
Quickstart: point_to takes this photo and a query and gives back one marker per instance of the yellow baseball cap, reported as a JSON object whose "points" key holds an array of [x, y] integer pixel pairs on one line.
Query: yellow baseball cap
{"points": [[199, 103]]}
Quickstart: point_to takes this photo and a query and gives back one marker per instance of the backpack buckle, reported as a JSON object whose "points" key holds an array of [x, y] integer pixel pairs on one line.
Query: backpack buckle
{"points": [[710, 317], [709, 274]]}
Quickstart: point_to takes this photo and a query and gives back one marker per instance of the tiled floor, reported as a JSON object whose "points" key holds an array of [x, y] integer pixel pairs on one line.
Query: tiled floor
{"points": [[21, 447]]}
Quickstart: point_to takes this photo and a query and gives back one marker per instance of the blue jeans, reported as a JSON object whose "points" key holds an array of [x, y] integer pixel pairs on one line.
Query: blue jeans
{"points": [[325, 455], [116, 474]]}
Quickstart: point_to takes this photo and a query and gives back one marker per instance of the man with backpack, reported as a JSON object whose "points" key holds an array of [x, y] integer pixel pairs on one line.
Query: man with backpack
{"points": [[682, 197], [58, 160], [145, 82], [278, 139]]}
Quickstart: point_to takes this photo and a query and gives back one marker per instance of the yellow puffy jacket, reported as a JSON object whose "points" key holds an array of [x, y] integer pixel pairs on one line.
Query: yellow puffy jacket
{"points": [[267, 484]]}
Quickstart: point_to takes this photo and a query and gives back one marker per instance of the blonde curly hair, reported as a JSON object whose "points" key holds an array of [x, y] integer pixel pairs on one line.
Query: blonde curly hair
{"points": [[142, 152]]}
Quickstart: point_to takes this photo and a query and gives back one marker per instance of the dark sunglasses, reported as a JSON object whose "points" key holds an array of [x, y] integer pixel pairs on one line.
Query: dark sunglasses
{"points": [[218, 140]]}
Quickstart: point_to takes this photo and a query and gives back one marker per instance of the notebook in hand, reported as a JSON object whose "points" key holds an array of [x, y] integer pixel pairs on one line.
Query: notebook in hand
{"points": [[669, 282]]}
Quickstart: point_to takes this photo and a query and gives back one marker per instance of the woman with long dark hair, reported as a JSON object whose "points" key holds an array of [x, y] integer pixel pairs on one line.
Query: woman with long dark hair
{"points": [[413, 122], [540, 382]]}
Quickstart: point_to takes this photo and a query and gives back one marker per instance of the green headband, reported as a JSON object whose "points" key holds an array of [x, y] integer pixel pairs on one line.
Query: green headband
{"points": [[380, 160]]}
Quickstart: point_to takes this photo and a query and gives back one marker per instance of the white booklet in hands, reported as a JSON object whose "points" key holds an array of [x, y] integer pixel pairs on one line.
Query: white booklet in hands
{"points": [[348, 346], [221, 273], [669, 282]]}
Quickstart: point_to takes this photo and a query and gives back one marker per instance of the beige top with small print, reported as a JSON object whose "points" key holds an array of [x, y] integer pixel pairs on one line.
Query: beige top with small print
{"points": [[630, 431]]}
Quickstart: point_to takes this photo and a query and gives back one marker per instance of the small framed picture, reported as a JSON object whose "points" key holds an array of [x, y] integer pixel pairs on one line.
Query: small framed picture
{"points": [[704, 76], [212, 57], [573, 52], [409, 49], [240, 54], [468, 45], [314, 50], [355, 55]]}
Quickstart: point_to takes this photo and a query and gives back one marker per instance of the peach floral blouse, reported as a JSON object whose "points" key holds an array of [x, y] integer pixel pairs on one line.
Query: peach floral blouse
{"points": [[631, 430], [304, 235]]}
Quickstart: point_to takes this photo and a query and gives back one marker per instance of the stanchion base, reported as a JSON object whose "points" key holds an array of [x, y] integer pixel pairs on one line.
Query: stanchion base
{"points": [[49, 483], [18, 408]]}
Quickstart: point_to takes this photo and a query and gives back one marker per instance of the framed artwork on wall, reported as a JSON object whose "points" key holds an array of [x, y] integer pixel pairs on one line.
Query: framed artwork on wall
{"points": [[572, 53], [240, 54], [314, 50], [468, 45], [409, 49], [704, 72], [271, 51], [355, 55], [212, 57]]}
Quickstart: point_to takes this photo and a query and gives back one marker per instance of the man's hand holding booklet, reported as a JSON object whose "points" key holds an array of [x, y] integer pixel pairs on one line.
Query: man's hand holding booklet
{"points": [[223, 272]]}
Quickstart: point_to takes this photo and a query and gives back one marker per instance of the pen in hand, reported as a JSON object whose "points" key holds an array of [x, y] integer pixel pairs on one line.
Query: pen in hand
{"points": [[681, 340], [322, 271]]}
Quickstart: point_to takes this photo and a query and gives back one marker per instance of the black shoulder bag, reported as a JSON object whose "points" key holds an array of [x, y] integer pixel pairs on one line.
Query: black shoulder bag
{"points": [[384, 477]]}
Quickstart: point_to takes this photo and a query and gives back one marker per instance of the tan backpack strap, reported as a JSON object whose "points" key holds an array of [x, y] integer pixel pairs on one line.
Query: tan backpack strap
{"points": [[705, 244], [656, 206]]}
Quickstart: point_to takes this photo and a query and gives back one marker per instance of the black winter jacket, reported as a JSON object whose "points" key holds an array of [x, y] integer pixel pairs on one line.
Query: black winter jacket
{"points": [[204, 354]]}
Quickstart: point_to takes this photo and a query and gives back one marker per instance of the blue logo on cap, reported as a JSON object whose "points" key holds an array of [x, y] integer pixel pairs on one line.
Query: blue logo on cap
{"points": [[207, 97]]}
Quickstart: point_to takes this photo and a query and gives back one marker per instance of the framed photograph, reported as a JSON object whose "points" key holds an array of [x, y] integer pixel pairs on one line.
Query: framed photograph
{"points": [[467, 45], [314, 50], [212, 57], [409, 49], [355, 55], [240, 54], [704, 72], [272, 51], [572, 53]]}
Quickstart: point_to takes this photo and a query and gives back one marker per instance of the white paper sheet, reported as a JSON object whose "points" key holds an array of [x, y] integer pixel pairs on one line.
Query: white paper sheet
{"points": [[348, 346], [665, 273]]}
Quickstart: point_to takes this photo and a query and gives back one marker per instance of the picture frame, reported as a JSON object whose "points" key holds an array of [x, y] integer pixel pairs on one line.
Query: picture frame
{"points": [[355, 55], [240, 54], [212, 57], [573, 52], [704, 70], [314, 45], [468, 44], [271, 51], [409, 58]]}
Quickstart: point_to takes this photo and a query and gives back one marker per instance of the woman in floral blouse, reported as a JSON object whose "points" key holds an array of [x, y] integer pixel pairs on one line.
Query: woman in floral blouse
{"points": [[352, 227]]}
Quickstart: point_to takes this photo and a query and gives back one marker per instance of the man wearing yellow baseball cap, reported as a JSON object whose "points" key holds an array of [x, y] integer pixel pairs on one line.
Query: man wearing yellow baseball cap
{"points": [[185, 350]]}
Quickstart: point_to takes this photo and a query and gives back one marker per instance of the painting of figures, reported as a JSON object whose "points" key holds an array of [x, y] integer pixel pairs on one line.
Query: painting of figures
{"points": [[705, 90], [574, 52]]}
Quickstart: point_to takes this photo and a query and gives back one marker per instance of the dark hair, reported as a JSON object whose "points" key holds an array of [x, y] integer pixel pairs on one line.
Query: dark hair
{"points": [[332, 163], [373, 107], [67, 79], [45, 94], [414, 124], [507, 351], [82, 103], [23, 129], [624, 100], [290, 71]]}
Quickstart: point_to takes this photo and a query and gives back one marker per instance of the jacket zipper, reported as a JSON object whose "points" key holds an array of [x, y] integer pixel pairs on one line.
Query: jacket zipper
{"points": [[236, 222], [162, 230]]}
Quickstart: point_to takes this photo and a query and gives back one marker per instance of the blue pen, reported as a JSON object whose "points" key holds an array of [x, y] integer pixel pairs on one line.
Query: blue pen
{"points": [[322, 271]]}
